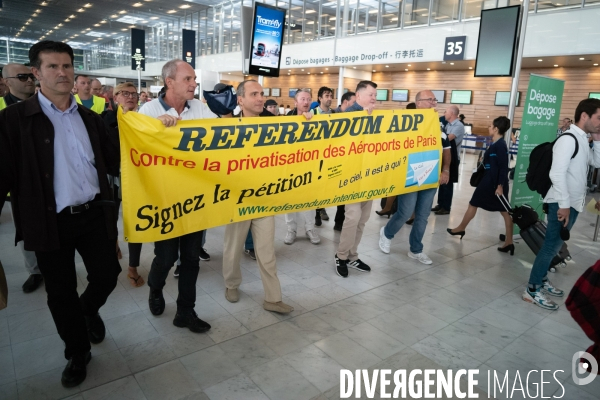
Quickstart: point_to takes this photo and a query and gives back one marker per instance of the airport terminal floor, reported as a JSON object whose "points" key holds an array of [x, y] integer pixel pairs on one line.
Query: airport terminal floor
{"points": [[464, 311]]}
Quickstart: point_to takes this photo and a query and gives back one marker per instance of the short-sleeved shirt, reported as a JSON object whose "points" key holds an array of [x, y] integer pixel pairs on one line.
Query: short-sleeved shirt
{"points": [[194, 109]]}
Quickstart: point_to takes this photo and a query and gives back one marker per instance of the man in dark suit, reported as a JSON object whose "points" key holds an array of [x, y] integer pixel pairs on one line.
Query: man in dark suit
{"points": [[54, 158]]}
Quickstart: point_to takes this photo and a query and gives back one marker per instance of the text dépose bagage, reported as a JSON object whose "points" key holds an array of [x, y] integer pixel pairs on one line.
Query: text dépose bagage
{"points": [[533, 232]]}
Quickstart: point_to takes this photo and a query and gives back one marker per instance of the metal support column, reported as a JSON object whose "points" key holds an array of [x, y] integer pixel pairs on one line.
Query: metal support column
{"points": [[517, 74]]}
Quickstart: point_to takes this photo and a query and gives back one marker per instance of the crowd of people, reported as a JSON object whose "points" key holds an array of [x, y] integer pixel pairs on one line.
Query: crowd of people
{"points": [[59, 145]]}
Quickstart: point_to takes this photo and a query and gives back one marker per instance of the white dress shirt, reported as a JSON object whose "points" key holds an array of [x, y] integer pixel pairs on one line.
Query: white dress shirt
{"points": [[569, 176]]}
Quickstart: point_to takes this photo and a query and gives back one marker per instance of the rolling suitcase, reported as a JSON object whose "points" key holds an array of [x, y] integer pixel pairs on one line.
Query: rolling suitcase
{"points": [[533, 232]]}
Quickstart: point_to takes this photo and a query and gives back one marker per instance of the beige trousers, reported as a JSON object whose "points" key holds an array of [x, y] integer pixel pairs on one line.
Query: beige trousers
{"points": [[357, 215], [263, 235]]}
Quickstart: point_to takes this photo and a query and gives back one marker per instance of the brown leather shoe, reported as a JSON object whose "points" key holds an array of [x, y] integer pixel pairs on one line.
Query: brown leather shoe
{"points": [[232, 295], [279, 307]]}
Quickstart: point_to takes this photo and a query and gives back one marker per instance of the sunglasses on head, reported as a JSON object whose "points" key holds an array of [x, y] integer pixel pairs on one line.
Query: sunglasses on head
{"points": [[22, 77]]}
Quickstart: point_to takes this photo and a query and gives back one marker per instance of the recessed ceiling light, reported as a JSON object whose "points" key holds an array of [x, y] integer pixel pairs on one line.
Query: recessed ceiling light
{"points": [[122, 12], [406, 69], [137, 5], [470, 67], [171, 11], [81, 10], [124, 29], [303, 70], [451, 63], [34, 15], [153, 17], [44, 3], [184, 6], [409, 65], [75, 35], [354, 67], [131, 26], [96, 24], [114, 16], [387, 66], [556, 65], [67, 20], [582, 58], [321, 71], [374, 71], [88, 5], [540, 59], [38, 10], [595, 65], [144, 21], [428, 69], [289, 73], [72, 16], [88, 29], [326, 69]]}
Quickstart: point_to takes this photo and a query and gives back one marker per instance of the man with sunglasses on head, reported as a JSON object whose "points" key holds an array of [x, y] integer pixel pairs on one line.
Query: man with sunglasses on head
{"points": [[21, 83]]}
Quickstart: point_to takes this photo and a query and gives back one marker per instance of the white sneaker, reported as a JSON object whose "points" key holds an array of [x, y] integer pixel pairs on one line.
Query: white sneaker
{"points": [[384, 243], [539, 299], [312, 236], [290, 237], [422, 257]]}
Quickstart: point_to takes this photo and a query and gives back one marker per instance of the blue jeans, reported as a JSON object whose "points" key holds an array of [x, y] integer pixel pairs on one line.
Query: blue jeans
{"points": [[249, 244], [552, 245], [420, 202]]}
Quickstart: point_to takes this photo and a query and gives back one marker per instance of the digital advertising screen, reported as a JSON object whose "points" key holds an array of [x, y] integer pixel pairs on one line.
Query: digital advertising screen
{"points": [[594, 95], [267, 38], [382, 94], [399, 94]]}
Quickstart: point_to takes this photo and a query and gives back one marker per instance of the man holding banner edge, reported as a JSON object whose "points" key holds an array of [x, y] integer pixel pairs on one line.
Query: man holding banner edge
{"points": [[177, 103]]}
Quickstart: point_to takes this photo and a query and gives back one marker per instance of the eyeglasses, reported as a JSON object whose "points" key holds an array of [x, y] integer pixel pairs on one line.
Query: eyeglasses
{"points": [[127, 94], [22, 77], [431, 100]]}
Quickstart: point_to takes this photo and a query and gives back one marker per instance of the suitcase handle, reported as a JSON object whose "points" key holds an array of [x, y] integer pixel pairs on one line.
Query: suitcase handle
{"points": [[505, 203]]}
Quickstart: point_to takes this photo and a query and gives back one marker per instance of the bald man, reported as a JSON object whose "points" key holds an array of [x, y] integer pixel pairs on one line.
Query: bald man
{"points": [[455, 131], [21, 83]]}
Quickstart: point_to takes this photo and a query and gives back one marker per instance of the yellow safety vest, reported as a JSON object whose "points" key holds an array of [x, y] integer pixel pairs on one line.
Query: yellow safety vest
{"points": [[98, 105], [2, 103]]}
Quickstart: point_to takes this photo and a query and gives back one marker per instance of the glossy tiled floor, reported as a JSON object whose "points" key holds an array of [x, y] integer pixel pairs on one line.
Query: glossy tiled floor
{"points": [[463, 311]]}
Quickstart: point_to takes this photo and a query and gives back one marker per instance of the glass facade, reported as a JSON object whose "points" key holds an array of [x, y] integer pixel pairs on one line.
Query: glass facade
{"points": [[218, 28]]}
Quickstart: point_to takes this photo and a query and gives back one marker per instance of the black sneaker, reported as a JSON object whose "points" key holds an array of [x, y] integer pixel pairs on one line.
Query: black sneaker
{"points": [[337, 227], [204, 255], [176, 272], [359, 265], [192, 322], [341, 267], [156, 301], [436, 208], [318, 220], [324, 215], [250, 253]]}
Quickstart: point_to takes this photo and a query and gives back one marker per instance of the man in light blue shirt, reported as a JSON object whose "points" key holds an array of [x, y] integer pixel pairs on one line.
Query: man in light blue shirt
{"points": [[54, 158]]}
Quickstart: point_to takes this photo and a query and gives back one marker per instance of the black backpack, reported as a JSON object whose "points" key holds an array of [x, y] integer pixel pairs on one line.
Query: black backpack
{"points": [[540, 162]]}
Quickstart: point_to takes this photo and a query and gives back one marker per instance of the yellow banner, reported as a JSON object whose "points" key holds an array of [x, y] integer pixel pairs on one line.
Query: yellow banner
{"points": [[205, 173]]}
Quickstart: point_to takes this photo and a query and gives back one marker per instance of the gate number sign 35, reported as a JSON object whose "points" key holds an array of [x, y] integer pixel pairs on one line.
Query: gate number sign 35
{"points": [[454, 48]]}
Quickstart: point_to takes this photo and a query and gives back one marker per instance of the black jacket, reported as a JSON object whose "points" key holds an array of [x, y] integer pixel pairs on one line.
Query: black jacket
{"points": [[27, 170]]}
